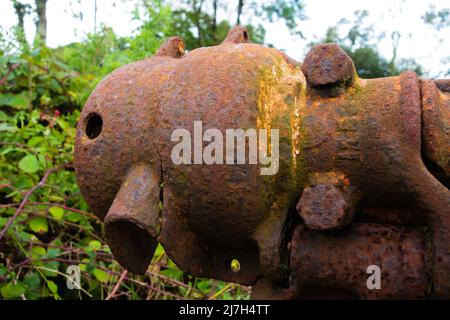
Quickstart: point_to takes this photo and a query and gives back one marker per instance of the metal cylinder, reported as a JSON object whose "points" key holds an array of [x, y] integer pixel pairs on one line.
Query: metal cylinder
{"points": [[335, 265]]}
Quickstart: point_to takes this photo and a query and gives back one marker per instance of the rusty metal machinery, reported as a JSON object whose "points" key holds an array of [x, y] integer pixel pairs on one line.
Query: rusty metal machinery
{"points": [[363, 174]]}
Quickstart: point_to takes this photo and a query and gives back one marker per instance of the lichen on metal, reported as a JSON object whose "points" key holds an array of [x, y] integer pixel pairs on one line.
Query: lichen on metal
{"points": [[363, 171]]}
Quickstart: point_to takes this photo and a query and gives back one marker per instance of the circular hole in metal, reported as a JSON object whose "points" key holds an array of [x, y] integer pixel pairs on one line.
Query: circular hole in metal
{"points": [[245, 35], [235, 265], [94, 125]]}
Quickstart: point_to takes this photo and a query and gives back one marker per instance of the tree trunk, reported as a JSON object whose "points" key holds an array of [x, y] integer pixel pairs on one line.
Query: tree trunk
{"points": [[41, 21], [239, 11], [95, 16], [214, 23], [21, 11], [198, 12]]}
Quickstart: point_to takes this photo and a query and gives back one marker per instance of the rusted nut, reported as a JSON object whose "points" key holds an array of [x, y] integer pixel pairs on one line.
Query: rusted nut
{"points": [[328, 64], [324, 207]]}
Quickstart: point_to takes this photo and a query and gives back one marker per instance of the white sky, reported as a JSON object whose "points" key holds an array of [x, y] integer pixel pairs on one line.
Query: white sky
{"points": [[418, 41]]}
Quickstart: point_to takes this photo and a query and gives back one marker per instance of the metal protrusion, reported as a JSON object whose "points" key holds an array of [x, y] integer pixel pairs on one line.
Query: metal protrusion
{"points": [[443, 84], [133, 221], [328, 64], [237, 34], [172, 47], [435, 128], [324, 207]]}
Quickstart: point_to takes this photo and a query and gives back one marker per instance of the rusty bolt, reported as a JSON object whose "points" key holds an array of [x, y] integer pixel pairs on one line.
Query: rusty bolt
{"points": [[323, 207], [328, 64]]}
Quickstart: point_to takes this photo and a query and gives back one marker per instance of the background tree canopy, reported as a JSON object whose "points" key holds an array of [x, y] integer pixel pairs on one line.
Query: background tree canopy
{"points": [[45, 224]]}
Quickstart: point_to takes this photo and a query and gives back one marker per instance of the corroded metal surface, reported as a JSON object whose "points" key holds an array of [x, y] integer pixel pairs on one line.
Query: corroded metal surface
{"points": [[339, 269], [328, 64], [362, 180]]}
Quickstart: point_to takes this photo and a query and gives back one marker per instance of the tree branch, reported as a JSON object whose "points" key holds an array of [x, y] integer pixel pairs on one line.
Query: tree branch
{"points": [[28, 194]]}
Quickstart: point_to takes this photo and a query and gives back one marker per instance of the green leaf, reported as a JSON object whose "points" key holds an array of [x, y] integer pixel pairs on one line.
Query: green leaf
{"points": [[39, 224], [71, 132], [101, 275], [34, 141], [57, 212], [51, 265], [18, 101], [53, 252], [63, 124], [29, 164], [12, 291], [57, 242], [23, 182], [55, 198], [204, 286], [159, 251], [42, 161], [25, 236], [73, 217], [83, 266], [95, 245], [37, 252], [32, 280], [7, 150], [7, 127], [3, 116], [45, 100], [172, 273], [52, 287], [35, 115], [3, 221]]}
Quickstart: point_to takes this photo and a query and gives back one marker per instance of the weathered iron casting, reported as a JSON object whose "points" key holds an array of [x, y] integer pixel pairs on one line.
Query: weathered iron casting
{"points": [[363, 174]]}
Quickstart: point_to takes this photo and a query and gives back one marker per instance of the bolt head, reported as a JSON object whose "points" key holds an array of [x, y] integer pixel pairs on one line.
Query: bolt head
{"points": [[323, 207], [327, 64]]}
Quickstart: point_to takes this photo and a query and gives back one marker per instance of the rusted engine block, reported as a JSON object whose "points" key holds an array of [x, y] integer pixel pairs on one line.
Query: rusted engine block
{"points": [[363, 174]]}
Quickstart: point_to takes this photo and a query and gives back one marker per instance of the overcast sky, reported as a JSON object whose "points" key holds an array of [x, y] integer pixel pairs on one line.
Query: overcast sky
{"points": [[418, 41]]}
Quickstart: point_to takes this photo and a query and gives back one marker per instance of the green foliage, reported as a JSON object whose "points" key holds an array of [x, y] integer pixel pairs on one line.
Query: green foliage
{"points": [[369, 63], [359, 41], [12, 291], [439, 19], [198, 24], [155, 28], [289, 11], [29, 163]]}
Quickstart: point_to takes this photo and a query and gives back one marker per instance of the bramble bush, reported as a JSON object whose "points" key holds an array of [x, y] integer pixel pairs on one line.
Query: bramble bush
{"points": [[45, 224]]}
